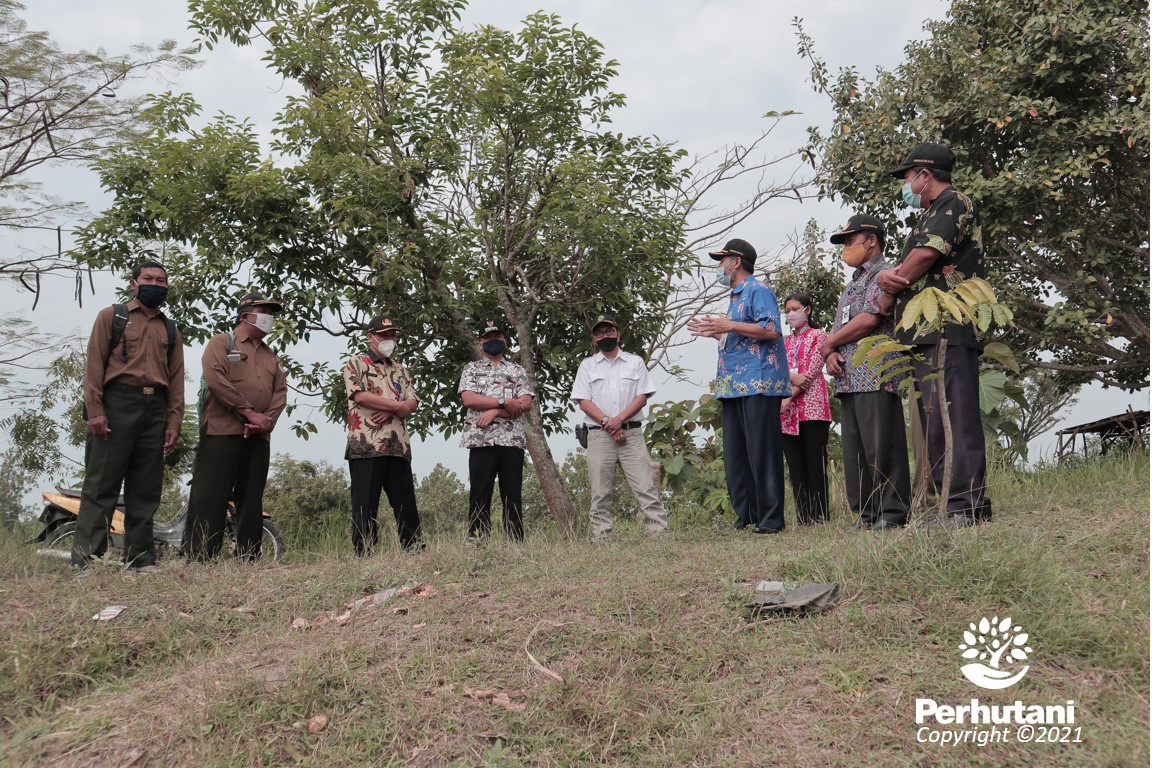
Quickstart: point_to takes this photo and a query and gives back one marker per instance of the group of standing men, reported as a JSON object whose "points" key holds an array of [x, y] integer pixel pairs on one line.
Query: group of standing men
{"points": [[134, 401], [943, 250]]}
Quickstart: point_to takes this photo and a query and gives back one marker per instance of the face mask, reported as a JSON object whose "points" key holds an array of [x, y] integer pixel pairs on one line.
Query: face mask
{"points": [[151, 296], [854, 255], [722, 277], [911, 199], [796, 319], [493, 347], [607, 344], [386, 347], [263, 322]]}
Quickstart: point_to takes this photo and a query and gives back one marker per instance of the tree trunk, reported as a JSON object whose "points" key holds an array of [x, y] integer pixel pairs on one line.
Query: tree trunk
{"points": [[547, 473]]}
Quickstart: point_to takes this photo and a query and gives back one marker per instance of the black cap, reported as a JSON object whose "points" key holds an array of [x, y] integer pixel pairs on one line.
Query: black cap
{"points": [[381, 324], [861, 222], [252, 300], [605, 320], [926, 155], [489, 326], [737, 247]]}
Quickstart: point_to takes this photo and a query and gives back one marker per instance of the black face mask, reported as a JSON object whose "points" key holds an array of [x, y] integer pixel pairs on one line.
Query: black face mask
{"points": [[151, 296], [494, 347], [607, 344]]}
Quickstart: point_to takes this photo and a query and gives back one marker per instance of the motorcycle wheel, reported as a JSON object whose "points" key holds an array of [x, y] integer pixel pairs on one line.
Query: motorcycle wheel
{"points": [[59, 542], [271, 542]]}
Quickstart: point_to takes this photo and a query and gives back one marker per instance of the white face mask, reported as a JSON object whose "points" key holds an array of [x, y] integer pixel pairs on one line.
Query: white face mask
{"points": [[386, 347], [795, 318], [262, 321]]}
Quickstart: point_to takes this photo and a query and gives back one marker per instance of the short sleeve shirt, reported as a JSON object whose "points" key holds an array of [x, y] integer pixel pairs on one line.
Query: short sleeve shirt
{"points": [[862, 295], [612, 383], [747, 366], [950, 226], [386, 378], [812, 404], [503, 379]]}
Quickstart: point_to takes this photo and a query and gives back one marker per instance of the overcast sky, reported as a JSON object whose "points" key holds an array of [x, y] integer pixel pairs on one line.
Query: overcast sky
{"points": [[697, 73]]}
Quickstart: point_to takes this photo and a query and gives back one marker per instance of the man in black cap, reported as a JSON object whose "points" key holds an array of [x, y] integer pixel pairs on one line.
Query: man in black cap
{"points": [[379, 450], [943, 250], [611, 388], [243, 393], [751, 380], [871, 412], [134, 405], [497, 394]]}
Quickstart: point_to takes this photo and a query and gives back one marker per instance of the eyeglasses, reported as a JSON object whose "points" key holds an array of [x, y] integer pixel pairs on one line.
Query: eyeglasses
{"points": [[605, 332]]}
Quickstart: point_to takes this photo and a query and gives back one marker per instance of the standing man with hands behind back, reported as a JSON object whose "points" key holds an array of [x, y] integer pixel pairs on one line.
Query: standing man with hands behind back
{"points": [[612, 387], [245, 392], [134, 404]]}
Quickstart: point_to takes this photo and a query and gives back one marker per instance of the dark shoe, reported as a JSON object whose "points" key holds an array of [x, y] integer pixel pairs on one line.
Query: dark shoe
{"points": [[886, 525], [953, 522], [859, 525], [758, 529], [739, 526]]}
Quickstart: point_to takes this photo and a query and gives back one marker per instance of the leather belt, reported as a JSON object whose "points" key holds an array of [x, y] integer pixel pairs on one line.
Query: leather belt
{"points": [[625, 425], [130, 390]]}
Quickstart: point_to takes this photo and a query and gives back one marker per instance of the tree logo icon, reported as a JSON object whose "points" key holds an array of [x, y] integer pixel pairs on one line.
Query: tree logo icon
{"points": [[1000, 644]]}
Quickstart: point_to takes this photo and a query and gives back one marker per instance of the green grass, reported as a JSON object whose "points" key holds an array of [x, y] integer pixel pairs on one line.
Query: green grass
{"points": [[659, 662]]}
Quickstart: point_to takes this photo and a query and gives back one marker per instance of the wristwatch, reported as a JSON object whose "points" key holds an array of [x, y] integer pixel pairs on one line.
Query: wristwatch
{"points": [[603, 421], [500, 402]]}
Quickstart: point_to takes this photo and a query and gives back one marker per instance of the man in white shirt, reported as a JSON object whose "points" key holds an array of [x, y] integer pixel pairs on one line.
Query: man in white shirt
{"points": [[612, 387]]}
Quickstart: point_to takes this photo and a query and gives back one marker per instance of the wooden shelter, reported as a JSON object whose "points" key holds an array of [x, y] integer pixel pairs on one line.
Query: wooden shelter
{"points": [[1125, 429]]}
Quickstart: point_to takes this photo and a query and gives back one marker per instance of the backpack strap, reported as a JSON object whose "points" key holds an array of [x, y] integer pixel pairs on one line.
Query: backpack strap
{"points": [[119, 323]]}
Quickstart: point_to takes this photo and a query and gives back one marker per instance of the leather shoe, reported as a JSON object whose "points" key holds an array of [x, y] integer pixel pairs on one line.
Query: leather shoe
{"points": [[758, 529], [738, 526]]}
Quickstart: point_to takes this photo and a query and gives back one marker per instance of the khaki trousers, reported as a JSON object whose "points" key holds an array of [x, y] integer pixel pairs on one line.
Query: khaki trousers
{"points": [[604, 454]]}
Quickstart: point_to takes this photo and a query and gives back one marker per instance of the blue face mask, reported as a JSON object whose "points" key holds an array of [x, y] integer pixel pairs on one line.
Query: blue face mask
{"points": [[722, 277], [911, 199], [494, 347], [151, 296]]}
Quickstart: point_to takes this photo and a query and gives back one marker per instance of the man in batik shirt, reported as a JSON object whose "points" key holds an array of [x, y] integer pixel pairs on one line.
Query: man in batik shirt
{"points": [[497, 394], [871, 413], [379, 452], [751, 380]]}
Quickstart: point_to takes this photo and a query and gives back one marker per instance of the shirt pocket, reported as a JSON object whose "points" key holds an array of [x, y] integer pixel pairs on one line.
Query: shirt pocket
{"points": [[599, 385]]}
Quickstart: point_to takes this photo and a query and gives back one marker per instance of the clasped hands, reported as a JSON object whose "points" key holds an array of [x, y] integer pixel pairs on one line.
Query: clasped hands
{"points": [[712, 326]]}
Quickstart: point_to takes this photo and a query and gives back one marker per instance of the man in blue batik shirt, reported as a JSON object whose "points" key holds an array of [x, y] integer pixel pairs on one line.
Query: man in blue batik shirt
{"points": [[751, 379]]}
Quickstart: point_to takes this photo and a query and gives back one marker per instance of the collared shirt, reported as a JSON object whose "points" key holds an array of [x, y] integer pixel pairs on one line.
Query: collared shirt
{"points": [[389, 379], [950, 226], [747, 366], [862, 295], [256, 381], [502, 379], [612, 383], [804, 357], [150, 363]]}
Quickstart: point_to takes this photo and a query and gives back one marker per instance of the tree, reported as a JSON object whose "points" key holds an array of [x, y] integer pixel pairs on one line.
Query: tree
{"points": [[1045, 396], [1045, 103], [307, 499], [58, 107], [436, 175], [443, 502]]}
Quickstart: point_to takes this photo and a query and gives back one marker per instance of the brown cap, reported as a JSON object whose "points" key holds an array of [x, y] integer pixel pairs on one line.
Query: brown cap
{"points": [[253, 300]]}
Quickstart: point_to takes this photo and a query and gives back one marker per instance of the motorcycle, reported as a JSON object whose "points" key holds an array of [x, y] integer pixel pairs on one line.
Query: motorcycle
{"points": [[62, 507]]}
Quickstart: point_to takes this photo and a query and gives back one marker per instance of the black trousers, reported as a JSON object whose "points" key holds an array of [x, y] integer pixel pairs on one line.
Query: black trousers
{"points": [[753, 460], [227, 467], [133, 456], [484, 466], [875, 456], [393, 476], [967, 495], [807, 457]]}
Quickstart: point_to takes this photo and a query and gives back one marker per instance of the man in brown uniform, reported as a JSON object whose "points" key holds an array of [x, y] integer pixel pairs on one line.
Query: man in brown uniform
{"points": [[134, 404], [245, 392]]}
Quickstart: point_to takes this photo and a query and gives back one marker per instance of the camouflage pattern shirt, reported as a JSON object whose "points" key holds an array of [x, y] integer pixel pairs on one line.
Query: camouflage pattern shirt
{"points": [[387, 378], [950, 226]]}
